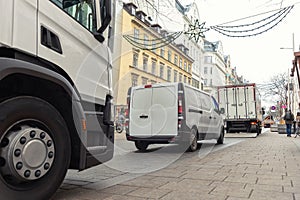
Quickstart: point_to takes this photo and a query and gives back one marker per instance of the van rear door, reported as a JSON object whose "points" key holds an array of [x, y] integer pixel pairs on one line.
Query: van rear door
{"points": [[164, 110], [140, 119], [154, 111]]}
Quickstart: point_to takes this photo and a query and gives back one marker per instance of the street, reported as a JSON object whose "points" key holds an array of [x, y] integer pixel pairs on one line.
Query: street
{"points": [[161, 170]]}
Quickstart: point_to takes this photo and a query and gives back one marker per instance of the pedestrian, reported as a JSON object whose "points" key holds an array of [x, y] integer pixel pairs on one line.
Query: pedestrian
{"points": [[289, 119]]}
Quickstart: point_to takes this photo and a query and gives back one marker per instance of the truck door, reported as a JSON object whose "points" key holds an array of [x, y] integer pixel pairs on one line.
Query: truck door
{"points": [[140, 115], [65, 38], [241, 102], [232, 103], [164, 111]]}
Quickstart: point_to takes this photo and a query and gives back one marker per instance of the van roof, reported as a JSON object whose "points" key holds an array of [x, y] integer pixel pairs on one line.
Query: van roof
{"points": [[168, 84]]}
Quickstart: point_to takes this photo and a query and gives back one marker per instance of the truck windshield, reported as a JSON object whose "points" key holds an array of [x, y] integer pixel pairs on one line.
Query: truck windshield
{"points": [[82, 11]]}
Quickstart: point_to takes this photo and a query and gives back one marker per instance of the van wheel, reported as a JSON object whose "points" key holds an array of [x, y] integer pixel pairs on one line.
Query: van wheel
{"points": [[30, 126], [141, 145], [221, 138], [193, 141]]}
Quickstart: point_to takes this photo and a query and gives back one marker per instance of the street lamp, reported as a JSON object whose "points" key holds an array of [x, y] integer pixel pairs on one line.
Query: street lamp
{"points": [[288, 88]]}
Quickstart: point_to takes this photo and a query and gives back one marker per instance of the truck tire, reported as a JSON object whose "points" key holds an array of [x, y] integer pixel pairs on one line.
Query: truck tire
{"points": [[35, 149], [141, 145], [221, 138]]}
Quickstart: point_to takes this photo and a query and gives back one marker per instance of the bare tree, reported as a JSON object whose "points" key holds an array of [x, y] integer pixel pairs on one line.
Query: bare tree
{"points": [[276, 89]]}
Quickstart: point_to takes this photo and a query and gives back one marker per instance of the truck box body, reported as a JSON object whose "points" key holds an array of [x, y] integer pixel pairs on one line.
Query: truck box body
{"points": [[242, 107]]}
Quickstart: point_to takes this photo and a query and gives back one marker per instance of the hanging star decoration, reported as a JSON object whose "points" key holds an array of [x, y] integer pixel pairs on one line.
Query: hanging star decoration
{"points": [[196, 30]]}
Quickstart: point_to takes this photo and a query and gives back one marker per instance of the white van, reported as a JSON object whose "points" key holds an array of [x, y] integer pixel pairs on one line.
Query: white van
{"points": [[170, 112]]}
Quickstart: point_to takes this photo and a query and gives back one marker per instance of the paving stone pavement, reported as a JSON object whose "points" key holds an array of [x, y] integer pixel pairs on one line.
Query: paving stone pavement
{"points": [[262, 168]]}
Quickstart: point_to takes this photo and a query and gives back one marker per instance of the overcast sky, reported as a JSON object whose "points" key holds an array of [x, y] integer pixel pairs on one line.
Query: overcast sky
{"points": [[260, 57]]}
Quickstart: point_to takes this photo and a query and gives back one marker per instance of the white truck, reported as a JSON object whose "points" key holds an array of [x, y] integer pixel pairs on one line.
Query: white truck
{"points": [[172, 112], [242, 107], [56, 93]]}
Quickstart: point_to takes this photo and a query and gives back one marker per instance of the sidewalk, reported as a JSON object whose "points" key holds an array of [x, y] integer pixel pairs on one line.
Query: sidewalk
{"points": [[266, 167]]}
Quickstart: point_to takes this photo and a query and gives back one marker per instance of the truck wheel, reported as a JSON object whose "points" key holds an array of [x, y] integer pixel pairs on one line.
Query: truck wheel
{"points": [[221, 138], [141, 145], [34, 149], [193, 141]]}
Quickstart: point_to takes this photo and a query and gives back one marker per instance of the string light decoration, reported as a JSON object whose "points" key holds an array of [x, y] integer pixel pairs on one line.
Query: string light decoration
{"points": [[146, 44], [196, 30], [255, 28]]}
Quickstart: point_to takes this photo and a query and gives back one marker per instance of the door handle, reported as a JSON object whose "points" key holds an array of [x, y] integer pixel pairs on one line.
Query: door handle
{"points": [[144, 116]]}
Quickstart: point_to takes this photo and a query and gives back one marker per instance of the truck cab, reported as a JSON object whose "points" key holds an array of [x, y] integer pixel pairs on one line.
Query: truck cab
{"points": [[56, 92]]}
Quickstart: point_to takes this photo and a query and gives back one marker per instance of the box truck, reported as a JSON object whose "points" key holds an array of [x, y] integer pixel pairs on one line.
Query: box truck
{"points": [[172, 112], [242, 107], [56, 93]]}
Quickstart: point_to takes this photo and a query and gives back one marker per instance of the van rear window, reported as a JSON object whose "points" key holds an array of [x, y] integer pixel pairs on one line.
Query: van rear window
{"points": [[164, 96], [141, 98]]}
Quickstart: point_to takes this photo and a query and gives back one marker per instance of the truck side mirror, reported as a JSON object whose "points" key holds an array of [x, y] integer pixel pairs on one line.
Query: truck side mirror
{"points": [[106, 15], [222, 110]]}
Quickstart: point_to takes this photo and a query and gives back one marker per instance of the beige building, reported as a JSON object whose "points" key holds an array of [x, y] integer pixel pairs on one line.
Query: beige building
{"points": [[136, 65]]}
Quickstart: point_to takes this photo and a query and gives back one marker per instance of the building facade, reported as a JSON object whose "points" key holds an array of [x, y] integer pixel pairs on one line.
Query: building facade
{"points": [[214, 66], [135, 65], [190, 15]]}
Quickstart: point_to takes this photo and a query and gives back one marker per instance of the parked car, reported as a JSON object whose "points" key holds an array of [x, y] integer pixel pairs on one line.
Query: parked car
{"points": [[172, 112]]}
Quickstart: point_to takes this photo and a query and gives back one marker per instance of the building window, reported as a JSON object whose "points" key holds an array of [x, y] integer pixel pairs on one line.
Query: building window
{"points": [[145, 63], [153, 68], [184, 79], [207, 59], [205, 82], [169, 74], [180, 77], [180, 62], [162, 52], [169, 55], [161, 71], [144, 81], [136, 34], [205, 70], [175, 76], [146, 40], [189, 68], [189, 81], [135, 59], [210, 82], [211, 70], [176, 60], [134, 80], [185, 66], [153, 46], [152, 81]]}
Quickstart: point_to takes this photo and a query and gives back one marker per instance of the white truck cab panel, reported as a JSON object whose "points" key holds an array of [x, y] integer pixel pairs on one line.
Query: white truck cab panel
{"points": [[19, 20], [56, 92], [84, 59]]}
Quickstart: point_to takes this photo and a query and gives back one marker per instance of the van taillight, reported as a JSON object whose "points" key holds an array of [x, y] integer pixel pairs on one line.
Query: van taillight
{"points": [[148, 86], [180, 111], [179, 106], [127, 113]]}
